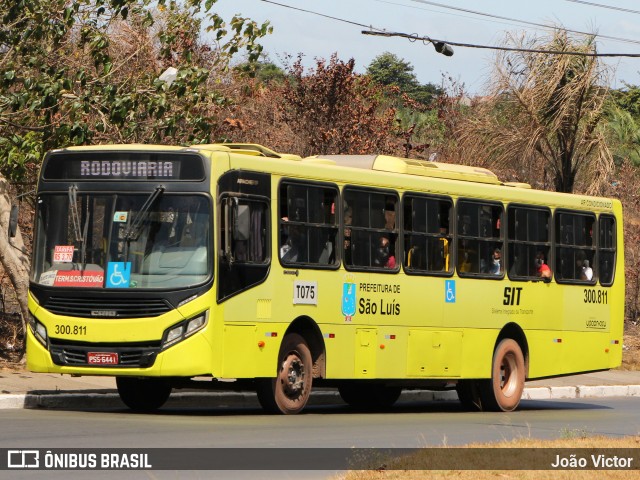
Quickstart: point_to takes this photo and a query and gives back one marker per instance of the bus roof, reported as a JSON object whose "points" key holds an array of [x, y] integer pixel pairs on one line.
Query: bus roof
{"points": [[386, 163], [243, 148]]}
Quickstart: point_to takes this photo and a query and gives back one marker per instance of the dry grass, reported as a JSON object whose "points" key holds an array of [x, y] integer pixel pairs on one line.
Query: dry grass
{"points": [[410, 464]]}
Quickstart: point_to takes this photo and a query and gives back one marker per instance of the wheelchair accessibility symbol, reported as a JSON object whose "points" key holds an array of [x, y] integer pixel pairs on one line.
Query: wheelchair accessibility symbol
{"points": [[450, 291], [118, 274]]}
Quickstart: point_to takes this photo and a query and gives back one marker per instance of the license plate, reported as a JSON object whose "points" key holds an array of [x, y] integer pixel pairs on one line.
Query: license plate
{"points": [[102, 358]]}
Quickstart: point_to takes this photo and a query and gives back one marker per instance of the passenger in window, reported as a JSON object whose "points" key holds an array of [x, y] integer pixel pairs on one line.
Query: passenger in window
{"points": [[290, 249], [542, 269], [390, 222], [348, 219], [444, 249], [390, 215], [465, 264], [416, 258], [384, 257], [495, 267], [587, 271], [580, 259]]}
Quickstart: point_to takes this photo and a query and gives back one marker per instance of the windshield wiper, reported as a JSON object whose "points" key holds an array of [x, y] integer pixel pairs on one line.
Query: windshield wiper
{"points": [[133, 231], [80, 234], [73, 210]]}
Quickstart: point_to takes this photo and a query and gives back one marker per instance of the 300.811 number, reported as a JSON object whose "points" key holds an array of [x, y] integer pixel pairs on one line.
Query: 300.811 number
{"points": [[595, 296], [69, 330]]}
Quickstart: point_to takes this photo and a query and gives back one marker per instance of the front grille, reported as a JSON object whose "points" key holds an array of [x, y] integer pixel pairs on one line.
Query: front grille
{"points": [[72, 354], [93, 307]]}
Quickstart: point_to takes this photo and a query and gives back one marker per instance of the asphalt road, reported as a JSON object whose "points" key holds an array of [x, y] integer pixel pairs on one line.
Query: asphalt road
{"points": [[407, 426]]}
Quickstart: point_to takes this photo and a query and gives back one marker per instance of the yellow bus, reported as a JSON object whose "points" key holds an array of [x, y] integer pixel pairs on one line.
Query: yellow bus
{"points": [[233, 266]]}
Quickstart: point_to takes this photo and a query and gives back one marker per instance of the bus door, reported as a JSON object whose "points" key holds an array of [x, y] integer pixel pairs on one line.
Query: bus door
{"points": [[244, 251]]}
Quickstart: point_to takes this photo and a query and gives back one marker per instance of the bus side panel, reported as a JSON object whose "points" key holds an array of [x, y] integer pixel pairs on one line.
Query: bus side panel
{"points": [[434, 353], [366, 347], [546, 353], [477, 352], [562, 353]]}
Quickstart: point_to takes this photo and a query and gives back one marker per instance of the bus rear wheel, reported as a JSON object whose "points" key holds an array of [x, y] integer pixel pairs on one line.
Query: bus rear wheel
{"points": [[143, 395], [369, 396], [504, 390], [289, 392]]}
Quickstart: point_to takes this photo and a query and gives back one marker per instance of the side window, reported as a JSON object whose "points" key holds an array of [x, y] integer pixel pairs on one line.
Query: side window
{"points": [[606, 249], [370, 229], [247, 239], [428, 242], [308, 224], [480, 239], [244, 244], [529, 242], [575, 247]]}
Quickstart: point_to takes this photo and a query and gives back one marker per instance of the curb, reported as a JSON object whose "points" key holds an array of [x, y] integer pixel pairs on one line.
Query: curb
{"points": [[71, 401]]}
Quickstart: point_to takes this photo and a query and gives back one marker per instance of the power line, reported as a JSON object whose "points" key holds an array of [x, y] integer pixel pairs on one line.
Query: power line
{"points": [[414, 37], [600, 5], [440, 45], [494, 21], [525, 22], [322, 15]]}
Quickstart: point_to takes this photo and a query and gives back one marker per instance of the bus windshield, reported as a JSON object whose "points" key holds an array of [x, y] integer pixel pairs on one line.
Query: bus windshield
{"points": [[149, 241]]}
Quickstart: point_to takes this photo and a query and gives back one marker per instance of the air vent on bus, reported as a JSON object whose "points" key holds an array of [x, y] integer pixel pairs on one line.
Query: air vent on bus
{"points": [[99, 307]]}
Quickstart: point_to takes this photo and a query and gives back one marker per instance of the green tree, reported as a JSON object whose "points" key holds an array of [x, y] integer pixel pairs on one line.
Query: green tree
{"points": [[78, 72], [389, 70], [91, 71], [624, 137], [628, 99], [265, 71]]}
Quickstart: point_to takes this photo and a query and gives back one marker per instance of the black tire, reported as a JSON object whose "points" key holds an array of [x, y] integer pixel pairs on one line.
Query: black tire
{"points": [[289, 392], [143, 395], [469, 395], [369, 396], [502, 393]]}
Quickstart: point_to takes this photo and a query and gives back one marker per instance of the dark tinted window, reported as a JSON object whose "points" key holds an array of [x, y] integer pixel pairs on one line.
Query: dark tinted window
{"points": [[606, 249], [575, 247], [427, 234], [370, 229], [308, 224], [528, 240], [480, 239]]}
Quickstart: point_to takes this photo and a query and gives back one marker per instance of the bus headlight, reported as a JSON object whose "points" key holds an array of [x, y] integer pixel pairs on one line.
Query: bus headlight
{"points": [[39, 330], [184, 329]]}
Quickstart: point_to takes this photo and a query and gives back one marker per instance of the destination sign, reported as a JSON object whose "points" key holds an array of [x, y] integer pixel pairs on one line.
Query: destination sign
{"points": [[117, 168], [125, 166]]}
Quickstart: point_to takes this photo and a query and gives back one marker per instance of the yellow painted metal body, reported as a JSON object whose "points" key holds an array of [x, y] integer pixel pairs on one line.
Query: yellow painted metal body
{"points": [[403, 327]]}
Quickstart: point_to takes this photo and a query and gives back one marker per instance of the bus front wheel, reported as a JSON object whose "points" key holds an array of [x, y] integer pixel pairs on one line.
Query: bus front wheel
{"points": [[504, 390], [289, 392], [143, 394]]}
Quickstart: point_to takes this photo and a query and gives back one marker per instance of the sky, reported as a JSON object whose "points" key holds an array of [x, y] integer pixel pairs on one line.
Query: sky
{"points": [[314, 36]]}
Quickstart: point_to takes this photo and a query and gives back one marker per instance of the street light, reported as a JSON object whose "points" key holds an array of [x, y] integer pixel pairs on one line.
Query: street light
{"points": [[443, 48]]}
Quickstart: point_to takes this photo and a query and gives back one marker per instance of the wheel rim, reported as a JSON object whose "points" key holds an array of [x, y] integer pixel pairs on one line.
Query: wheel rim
{"points": [[292, 376], [508, 375]]}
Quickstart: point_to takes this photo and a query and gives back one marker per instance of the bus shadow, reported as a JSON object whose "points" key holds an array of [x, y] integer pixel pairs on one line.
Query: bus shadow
{"points": [[398, 409]]}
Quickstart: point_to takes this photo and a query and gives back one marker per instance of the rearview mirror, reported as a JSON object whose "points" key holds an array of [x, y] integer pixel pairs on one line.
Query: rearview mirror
{"points": [[241, 222]]}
